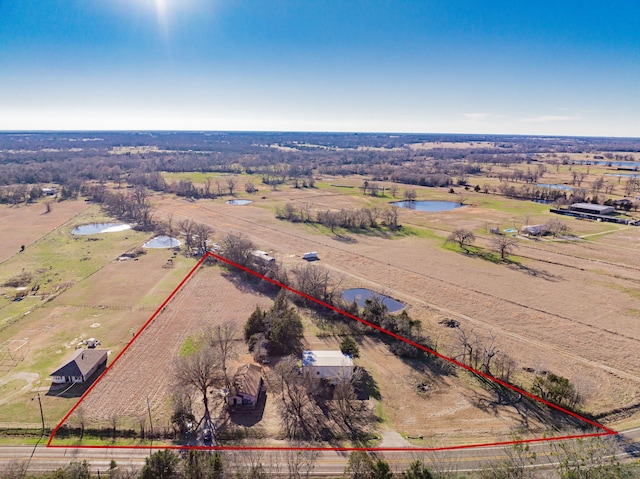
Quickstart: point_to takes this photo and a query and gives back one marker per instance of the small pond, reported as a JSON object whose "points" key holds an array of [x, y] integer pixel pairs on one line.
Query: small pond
{"points": [[95, 228], [432, 206], [362, 294], [162, 242], [554, 187], [239, 202]]}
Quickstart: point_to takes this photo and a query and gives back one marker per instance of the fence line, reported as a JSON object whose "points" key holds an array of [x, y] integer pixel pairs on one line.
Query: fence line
{"points": [[118, 307]]}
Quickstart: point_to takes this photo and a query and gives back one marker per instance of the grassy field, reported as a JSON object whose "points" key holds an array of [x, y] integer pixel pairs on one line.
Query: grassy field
{"points": [[570, 307]]}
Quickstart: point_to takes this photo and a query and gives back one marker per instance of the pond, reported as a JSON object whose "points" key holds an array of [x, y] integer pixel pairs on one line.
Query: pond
{"points": [[554, 187], [360, 295], [162, 242], [621, 164], [624, 175], [95, 228], [432, 206], [239, 202]]}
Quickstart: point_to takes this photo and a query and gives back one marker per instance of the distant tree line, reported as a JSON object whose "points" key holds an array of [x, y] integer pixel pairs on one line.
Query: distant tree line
{"points": [[349, 219]]}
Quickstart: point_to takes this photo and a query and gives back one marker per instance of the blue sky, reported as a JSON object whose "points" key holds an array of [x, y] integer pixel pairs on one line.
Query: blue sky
{"points": [[459, 66]]}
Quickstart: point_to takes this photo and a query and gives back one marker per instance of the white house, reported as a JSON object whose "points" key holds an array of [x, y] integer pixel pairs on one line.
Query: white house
{"points": [[80, 366], [331, 365]]}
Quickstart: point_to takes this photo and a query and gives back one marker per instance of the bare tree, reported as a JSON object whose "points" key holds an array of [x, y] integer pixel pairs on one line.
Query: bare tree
{"points": [[201, 371], [391, 216], [467, 341], [231, 184], [299, 412], [316, 281], [201, 235], [81, 417], [237, 247], [14, 469], [350, 414], [556, 227], [300, 464], [223, 339], [503, 245], [588, 457], [393, 189], [409, 195], [186, 227], [489, 350], [48, 207], [463, 237]]}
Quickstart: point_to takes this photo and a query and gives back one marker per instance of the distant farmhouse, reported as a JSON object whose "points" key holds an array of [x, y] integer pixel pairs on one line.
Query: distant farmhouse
{"points": [[330, 365], [248, 386], [80, 366], [534, 230]]}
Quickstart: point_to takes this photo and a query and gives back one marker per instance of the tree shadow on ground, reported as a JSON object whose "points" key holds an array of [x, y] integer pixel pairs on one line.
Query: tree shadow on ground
{"points": [[247, 283], [529, 410], [366, 387], [539, 273], [345, 238]]}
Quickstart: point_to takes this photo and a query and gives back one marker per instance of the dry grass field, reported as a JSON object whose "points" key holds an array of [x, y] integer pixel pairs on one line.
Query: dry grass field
{"points": [[570, 307]]}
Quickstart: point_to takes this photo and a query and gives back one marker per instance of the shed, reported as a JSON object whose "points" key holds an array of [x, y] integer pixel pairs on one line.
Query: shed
{"points": [[80, 366], [592, 209], [262, 257], [248, 385], [331, 365]]}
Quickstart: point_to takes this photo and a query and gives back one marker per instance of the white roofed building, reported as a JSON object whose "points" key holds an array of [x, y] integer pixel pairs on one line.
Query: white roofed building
{"points": [[330, 365]]}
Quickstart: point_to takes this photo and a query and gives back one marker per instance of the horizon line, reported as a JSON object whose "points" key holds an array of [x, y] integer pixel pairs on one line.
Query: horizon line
{"points": [[317, 132]]}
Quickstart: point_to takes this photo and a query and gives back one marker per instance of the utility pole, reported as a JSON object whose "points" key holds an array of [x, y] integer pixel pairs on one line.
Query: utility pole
{"points": [[150, 424], [41, 413]]}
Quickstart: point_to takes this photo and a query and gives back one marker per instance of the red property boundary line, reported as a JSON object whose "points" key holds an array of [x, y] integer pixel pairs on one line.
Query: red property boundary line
{"points": [[605, 430]]}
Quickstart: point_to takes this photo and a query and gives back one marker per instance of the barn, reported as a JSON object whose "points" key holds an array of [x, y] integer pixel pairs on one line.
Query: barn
{"points": [[592, 209], [330, 365], [80, 366]]}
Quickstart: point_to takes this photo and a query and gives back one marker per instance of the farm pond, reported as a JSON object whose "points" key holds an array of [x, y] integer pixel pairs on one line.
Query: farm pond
{"points": [[162, 242], [239, 202], [360, 295], [96, 228], [427, 205]]}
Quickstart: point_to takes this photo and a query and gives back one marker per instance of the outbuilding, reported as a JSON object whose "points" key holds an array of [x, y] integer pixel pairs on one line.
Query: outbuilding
{"points": [[333, 366], [80, 366], [262, 257], [592, 209]]}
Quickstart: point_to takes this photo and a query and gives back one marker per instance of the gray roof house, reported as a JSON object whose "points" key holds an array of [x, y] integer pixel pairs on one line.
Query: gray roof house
{"points": [[80, 366]]}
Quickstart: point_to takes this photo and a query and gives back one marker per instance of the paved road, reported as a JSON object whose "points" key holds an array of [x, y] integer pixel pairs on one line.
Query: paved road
{"points": [[329, 463]]}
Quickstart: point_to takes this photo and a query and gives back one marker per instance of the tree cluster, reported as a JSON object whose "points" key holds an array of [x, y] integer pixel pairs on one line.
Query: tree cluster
{"points": [[376, 312], [349, 219], [280, 328]]}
